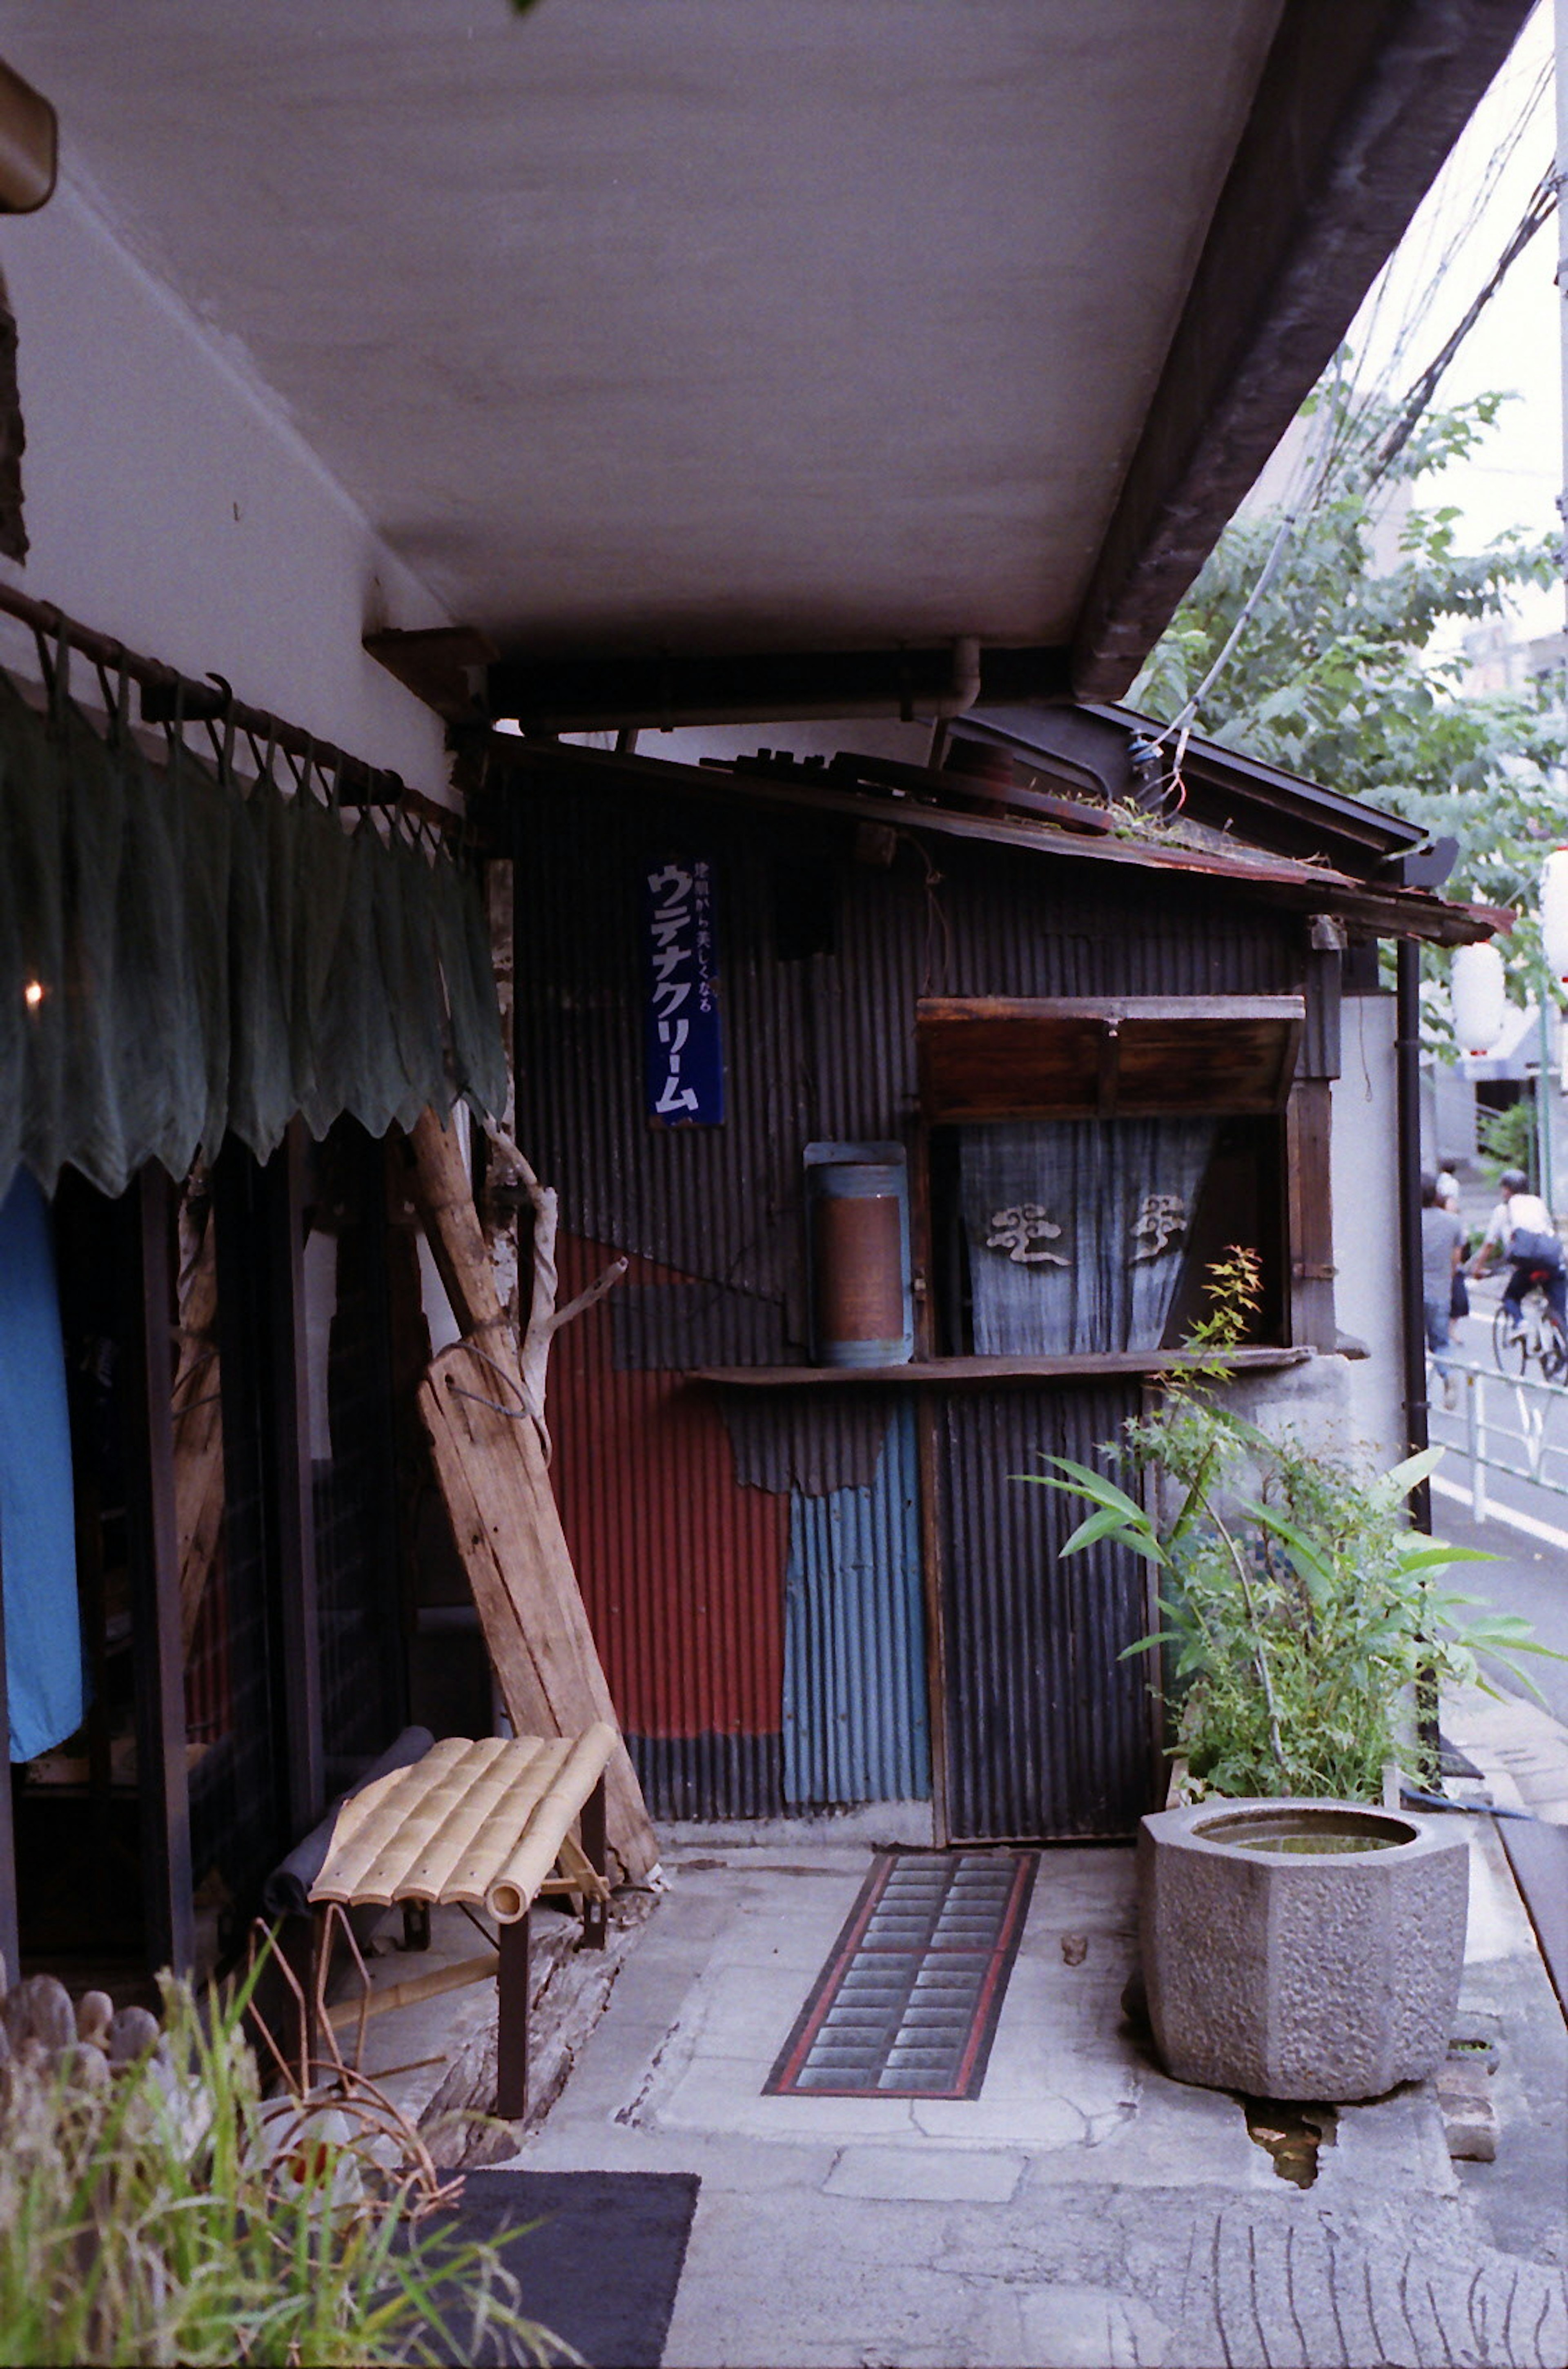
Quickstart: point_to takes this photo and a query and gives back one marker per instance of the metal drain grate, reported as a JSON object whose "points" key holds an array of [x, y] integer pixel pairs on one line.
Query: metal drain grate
{"points": [[907, 2004]]}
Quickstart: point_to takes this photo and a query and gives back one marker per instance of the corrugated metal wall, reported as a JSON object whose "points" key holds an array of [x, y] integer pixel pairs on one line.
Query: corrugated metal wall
{"points": [[746, 1554], [1048, 1733], [854, 1688], [681, 1569]]}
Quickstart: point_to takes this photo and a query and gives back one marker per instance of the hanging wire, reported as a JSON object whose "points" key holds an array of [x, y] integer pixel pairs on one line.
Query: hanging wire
{"points": [[1541, 207], [1182, 721]]}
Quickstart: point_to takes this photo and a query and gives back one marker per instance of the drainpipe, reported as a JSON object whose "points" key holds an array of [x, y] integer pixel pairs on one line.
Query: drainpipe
{"points": [[1407, 1057], [1407, 1088], [966, 688]]}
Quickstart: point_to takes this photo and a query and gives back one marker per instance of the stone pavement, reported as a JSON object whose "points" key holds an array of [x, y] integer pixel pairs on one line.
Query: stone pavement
{"points": [[1083, 2210]]}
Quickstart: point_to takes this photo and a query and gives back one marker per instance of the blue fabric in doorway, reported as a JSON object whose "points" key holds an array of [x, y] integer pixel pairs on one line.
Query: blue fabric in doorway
{"points": [[38, 1524]]}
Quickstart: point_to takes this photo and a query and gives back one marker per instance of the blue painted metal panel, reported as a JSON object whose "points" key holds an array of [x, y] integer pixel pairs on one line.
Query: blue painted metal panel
{"points": [[856, 1727]]}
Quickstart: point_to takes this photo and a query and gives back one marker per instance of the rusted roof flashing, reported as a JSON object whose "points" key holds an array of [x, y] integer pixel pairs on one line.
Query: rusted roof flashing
{"points": [[1368, 910]]}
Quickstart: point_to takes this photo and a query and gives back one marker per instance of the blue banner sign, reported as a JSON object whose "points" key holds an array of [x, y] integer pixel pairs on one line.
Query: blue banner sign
{"points": [[684, 1052]]}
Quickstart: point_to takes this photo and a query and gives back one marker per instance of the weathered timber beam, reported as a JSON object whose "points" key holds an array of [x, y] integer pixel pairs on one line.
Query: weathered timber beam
{"points": [[1355, 110]]}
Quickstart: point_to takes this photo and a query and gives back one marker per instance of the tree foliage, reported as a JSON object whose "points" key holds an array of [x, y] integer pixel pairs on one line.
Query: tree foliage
{"points": [[1350, 668]]}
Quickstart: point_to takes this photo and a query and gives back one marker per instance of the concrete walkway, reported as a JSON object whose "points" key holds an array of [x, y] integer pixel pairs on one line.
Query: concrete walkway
{"points": [[1083, 2210]]}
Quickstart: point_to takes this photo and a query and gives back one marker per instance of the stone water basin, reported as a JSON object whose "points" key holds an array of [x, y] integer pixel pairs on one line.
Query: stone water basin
{"points": [[1299, 1948]]}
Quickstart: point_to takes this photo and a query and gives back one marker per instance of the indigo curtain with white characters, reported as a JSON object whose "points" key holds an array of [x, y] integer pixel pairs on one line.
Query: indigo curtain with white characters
{"points": [[183, 955], [1077, 1230]]}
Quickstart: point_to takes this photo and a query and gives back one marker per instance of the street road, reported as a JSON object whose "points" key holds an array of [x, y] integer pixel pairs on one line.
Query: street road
{"points": [[1531, 1576]]}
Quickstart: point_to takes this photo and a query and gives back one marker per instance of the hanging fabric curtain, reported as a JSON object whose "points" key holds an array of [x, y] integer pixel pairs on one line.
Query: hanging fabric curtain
{"points": [[183, 955], [1076, 1229], [44, 1682]]}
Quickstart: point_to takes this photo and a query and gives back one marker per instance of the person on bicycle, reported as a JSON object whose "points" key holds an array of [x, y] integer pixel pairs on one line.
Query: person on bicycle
{"points": [[1521, 1230]]}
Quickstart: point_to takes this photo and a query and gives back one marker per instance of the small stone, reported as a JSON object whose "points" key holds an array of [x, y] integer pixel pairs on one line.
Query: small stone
{"points": [[41, 2008], [95, 2013], [1074, 1948], [133, 2031], [1469, 2118], [85, 2066]]}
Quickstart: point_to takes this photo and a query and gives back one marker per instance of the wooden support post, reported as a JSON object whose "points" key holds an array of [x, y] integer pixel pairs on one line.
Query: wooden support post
{"points": [[595, 1910], [511, 2024], [293, 1507], [156, 1625]]}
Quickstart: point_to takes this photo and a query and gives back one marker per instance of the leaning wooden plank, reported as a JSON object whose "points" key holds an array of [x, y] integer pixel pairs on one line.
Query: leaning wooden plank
{"points": [[491, 1463], [457, 1238], [509, 1535]]}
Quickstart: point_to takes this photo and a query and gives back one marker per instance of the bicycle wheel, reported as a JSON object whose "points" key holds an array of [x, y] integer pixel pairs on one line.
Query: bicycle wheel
{"points": [[1510, 1343], [1553, 1350]]}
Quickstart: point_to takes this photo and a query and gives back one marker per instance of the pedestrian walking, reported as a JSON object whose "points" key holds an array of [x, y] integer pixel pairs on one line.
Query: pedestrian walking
{"points": [[1442, 1246]]}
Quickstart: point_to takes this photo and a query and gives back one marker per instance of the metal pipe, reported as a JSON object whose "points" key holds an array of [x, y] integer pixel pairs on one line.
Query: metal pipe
{"points": [[1407, 1087], [594, 694], [167, 693]]}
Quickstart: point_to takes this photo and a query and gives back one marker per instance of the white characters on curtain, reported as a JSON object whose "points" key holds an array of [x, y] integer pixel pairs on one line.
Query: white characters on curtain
{"points": [[1023, 1233], [1160, 1225]]}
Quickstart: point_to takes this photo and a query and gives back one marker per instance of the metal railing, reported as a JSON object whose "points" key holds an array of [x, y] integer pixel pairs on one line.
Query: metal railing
{"points": [[1513, 1425]]}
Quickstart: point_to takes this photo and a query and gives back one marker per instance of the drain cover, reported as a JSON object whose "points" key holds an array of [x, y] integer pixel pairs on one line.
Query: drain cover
{"points": [[907, 2004]]}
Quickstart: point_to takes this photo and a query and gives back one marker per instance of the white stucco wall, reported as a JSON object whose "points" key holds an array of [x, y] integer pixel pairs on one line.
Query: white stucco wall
{"points": [[170, 504], [1365, 1183]]}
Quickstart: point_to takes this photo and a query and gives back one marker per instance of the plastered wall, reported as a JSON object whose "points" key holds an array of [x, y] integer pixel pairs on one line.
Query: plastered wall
{"points": [[170, 503]]}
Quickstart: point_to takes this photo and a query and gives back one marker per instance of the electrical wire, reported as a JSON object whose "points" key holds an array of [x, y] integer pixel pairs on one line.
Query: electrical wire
{"points": [[1541, 207], [1345, 421]]}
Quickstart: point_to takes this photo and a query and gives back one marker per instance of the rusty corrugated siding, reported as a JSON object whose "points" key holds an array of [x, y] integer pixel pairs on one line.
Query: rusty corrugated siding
{"points": [[682, 1504], [682, 1570], [1048, 1733]]}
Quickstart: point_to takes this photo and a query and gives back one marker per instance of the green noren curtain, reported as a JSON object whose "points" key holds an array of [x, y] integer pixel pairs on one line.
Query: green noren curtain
{"points": [[181, 958]]}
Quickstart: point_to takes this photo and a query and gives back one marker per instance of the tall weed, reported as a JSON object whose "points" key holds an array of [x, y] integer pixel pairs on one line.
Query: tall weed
{"points": [[151, 2217]]}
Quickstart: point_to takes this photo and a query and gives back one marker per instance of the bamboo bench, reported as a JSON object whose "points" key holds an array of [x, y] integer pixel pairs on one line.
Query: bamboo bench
{"points": [[487, 1825]]}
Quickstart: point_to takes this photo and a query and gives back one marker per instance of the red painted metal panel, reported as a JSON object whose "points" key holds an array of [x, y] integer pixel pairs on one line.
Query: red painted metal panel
{"points": [[681, 1569]]}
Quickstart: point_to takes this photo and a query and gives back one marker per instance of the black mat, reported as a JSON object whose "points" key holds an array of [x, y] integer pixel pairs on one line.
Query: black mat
{"points": [[603, 2263], [907, 2004]]}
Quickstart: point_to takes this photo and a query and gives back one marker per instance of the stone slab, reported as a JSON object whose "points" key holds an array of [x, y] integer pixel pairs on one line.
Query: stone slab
{"points": [[937, 2174]]}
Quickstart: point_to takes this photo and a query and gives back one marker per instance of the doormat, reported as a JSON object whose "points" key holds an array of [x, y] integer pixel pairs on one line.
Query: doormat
{"points": [[907, 2004], [598, 2260]]}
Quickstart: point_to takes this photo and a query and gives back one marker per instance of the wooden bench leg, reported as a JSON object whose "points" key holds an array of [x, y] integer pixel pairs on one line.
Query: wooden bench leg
{"points": [[595, 1913], [511, 2024]]}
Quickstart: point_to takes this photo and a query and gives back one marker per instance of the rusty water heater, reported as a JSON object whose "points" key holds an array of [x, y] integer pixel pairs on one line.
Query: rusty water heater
{"points": [[858, 1210]]}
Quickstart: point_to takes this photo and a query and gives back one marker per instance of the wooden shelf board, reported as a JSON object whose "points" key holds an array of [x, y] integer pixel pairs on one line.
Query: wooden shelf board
{"points": [[960, 1373]]}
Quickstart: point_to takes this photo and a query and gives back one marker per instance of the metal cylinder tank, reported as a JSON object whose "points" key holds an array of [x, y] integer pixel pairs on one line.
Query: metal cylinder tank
{"points": [[858, 1242]]}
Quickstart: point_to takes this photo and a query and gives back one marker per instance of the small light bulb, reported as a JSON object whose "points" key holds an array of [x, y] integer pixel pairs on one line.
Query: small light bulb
{"points": [[32, 994]]}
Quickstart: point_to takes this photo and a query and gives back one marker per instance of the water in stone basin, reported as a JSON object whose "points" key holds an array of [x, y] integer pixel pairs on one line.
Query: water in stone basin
{"points": [[1314, 1843], [1305, 1834]]}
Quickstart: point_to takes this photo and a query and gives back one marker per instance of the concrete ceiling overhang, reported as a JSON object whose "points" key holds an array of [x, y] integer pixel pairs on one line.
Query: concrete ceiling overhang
{"points": [[694, 332]]}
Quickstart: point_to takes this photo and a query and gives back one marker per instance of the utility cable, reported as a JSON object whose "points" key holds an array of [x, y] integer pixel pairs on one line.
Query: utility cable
{"points": [[1541, 208]]}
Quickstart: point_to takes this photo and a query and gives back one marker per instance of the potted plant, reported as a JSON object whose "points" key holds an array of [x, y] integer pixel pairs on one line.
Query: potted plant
{"points": [[1299, 1941]]}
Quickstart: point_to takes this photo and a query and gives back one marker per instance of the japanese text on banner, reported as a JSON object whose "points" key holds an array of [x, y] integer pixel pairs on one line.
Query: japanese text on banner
{"points": [[684, 1047]]}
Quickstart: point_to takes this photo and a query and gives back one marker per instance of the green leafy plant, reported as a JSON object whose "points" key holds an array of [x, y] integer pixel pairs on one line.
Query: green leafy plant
{"points": [[1297, 1606], [1351, 667], [164, 2214], [1507, 1139]]}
